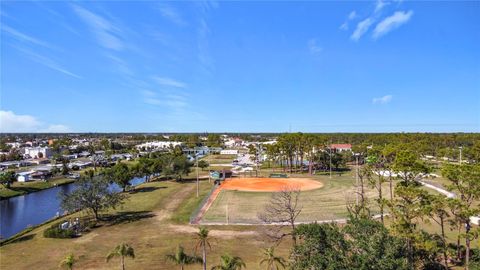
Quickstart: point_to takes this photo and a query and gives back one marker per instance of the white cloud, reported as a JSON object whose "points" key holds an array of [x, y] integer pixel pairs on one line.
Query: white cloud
{"points": [[172, 15], [380, 5], [56, 129], [361, 29], [388, 24], [11, 122], [105, 32], [24, 37], [314, 47], [352, 15], [169, 82], [382, 100]]}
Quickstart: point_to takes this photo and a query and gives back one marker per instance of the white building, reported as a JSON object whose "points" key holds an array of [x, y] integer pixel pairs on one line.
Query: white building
{"points": [[38, 152], [229, 152], [24, 176], [158, 145]]}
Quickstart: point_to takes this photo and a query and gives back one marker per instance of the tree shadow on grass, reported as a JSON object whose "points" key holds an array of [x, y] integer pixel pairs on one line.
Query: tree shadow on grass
{"points": [[127, 217], [144, 189], [25, 189], [19, 239]]}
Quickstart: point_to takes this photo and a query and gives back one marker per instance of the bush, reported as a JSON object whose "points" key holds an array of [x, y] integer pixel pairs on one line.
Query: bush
{"points": [[55, 232]]}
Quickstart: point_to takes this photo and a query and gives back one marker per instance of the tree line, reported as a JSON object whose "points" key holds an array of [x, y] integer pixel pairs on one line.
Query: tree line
{"points": [[396, 240]]}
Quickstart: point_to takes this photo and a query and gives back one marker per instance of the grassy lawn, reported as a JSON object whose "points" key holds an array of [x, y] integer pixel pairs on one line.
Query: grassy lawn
{"points": [[190, 204], [21, 188], [326, 203], [153, 236], [219, 159]]}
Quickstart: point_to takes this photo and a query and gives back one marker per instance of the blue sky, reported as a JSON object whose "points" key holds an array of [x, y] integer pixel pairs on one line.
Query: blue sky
{"points": [[240, 66]]}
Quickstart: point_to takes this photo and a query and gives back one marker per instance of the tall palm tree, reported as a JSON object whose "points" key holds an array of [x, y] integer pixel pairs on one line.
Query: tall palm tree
{"points": [[123, 250], [230, 263], [273, 262], [182, 259], [202, 242], [68, 261]]}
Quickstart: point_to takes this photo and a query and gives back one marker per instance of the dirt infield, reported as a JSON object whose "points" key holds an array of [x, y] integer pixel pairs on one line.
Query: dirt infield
{"points": [[269, 184]]}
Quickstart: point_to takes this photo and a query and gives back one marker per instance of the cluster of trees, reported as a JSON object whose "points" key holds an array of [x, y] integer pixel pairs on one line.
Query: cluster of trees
{"points": [[93, 192], [293, 149], [364, 242]]}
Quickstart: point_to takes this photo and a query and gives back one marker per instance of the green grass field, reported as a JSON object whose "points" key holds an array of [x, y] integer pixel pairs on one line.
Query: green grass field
{"points": [[20, 188]]}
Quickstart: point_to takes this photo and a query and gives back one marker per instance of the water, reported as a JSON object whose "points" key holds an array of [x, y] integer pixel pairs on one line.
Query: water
{"points": [[18, 213]]}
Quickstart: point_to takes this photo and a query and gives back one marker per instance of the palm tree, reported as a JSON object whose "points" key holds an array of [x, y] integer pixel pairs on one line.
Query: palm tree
{"points": [[182, 259], [230, 263], [202, 242], [68, 261], [123, 250], [273, 262]]}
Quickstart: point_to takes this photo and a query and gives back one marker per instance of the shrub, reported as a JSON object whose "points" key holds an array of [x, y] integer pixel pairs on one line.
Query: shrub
{"points": [[56, 232]]}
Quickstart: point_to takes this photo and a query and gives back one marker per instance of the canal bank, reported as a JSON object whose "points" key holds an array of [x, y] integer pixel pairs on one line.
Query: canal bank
{"points": [[21, 212], [20, 189]]}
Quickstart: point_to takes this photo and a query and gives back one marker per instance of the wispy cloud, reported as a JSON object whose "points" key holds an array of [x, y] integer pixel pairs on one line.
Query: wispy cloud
{"points": [[382, 100], [48, 62], [171, 14], [314, 47], [120, 64], [351, 16], [392, 22], [361, 29], [164, 81], [56, 129], [379, 5], [174, 102], [11, 122], [203, 31], [24, 37], [106, 33]]}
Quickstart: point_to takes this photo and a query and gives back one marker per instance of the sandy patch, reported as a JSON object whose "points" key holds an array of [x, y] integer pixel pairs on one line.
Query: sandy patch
{"points": [[228, 234], [269, 184]]}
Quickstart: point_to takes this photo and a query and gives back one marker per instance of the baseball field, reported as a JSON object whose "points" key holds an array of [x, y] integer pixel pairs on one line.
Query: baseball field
{"points": [[240, 200]]}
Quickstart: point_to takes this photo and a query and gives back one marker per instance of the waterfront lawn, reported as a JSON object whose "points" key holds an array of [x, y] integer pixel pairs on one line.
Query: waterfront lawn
{"points": [[153, 236], [22, 188]]}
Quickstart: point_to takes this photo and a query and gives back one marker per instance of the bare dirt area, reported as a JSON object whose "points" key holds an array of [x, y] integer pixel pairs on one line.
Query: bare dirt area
{"points": [[270, 184], [227, 234]]}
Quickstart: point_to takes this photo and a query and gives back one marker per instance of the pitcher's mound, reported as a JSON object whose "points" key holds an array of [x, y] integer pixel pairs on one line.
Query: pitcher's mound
{"points": [[270, 184]]}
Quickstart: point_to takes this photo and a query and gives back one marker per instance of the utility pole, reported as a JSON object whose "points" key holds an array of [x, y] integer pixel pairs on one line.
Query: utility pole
{"points": [[461, 154], [198, 181], [330, 160]]}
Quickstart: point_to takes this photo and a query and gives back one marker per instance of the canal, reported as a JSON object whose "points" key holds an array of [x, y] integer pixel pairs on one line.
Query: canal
{"points": [[21, 212]]}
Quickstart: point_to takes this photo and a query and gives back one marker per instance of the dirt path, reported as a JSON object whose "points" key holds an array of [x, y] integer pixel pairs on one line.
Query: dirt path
{"points": [[207, 205], [227, 234], [173, 203]]}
